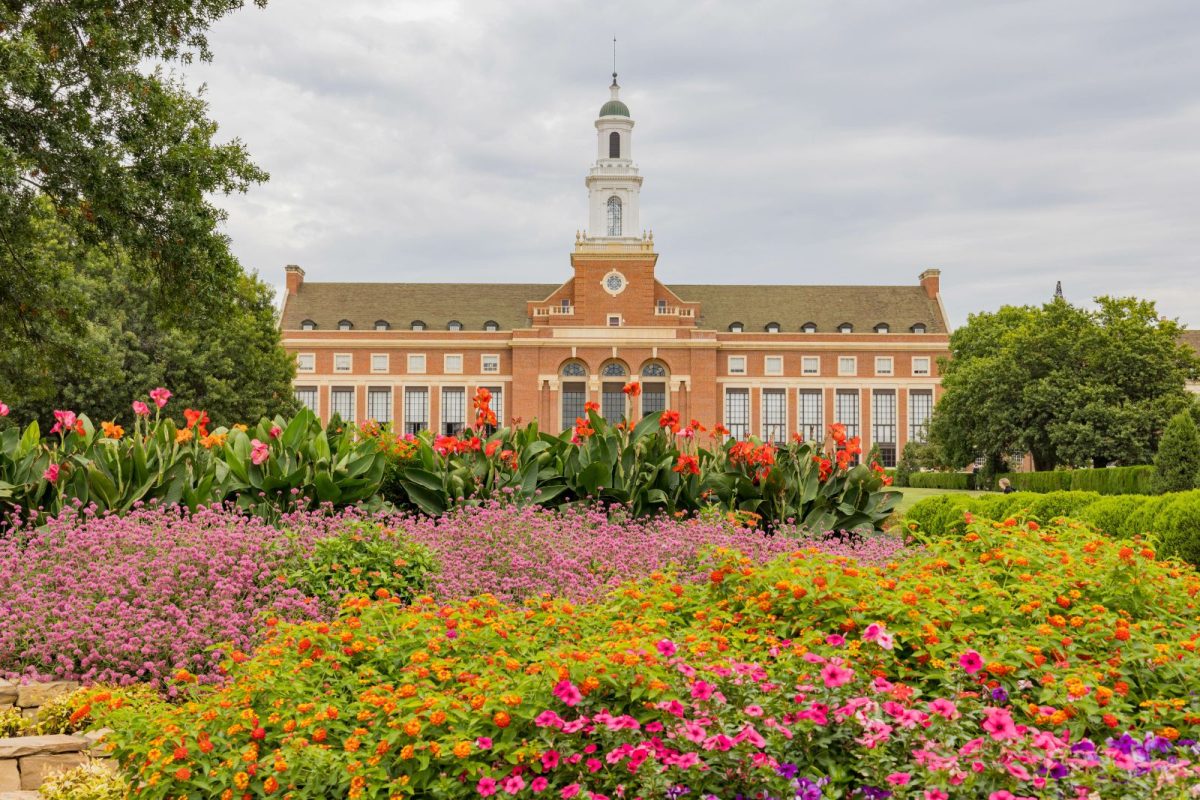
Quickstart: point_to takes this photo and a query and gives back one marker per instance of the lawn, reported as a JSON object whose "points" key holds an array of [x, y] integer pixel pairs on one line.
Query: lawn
{"points": [[912, 495]]}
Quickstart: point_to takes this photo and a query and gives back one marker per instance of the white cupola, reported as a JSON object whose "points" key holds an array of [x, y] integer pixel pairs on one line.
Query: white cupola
{"points": [[613, 182]]}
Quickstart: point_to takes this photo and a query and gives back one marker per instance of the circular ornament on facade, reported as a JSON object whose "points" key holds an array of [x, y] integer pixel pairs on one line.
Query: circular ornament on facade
{"points": [[614, 283]]}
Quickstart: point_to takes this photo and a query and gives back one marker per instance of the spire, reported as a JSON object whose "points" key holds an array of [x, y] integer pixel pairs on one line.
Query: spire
{"points": [[614, 86], [1058, 295]]}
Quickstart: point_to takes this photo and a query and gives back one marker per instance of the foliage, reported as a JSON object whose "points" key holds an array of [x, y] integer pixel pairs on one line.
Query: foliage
{"points": [[1113, 515], [1000, 642], [654, 466], [1109, 480], [941, 480], [1069, 386], [1060, 504], [14, 723], [91, 781], [63, 714], [364, 559], [278, 465], [1178, 523], [93, 127], [1177, 463]]}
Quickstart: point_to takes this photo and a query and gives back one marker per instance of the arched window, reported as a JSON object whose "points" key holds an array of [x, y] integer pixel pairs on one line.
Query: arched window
{"points": [[491, 325], [614, 145], [918, 327], [654, 370], [417, 325], [454, 325], [614, 369], [614, 216], [382, 325], [883, 327], [809, 327], [345, 325], [736, 327], [308, 325], [845, 327], [574, 369], [772, 327]]}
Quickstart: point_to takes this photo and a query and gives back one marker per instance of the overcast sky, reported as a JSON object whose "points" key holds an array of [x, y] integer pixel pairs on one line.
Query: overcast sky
{"points": [[1010, 144]]}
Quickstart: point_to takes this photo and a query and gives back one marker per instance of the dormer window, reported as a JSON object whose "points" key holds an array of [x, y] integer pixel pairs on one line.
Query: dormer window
{"points": [[918, 328], [772, 327], [736, 327], [845, 327], [308, 325], [809, 327], [345, 325], [883, 327], [382, 325], [454, 325], [417, 325], [491, 325]]}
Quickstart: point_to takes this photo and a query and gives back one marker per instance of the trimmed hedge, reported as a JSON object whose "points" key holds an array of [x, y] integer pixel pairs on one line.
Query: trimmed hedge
{"points": [[1173, 518], [1112, 480], [941, 480]]}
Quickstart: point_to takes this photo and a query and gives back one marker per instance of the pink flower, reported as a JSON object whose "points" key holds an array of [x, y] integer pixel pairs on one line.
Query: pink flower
{"points": [[885, 640], [539, 784], [835, 640], [259, 451], [275, 431], [3, 410], [835, 676], [702, 690], [1003, 794], [568, 693], [999, 723], [512, 784], [936, 794], [971, 662], [51, 473], [64, 421], [944, 708], [666, 647], [141, 409], [754, 711], [570, 791], [550, 759], [486, 787], [483, 743], [899, 778], [160, 396]]}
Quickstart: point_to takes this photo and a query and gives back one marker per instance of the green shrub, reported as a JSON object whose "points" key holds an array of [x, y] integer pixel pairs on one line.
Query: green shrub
{"points": [[1179, 527], [1142, 519], [940, 515], [1177, 463], [1014, 504], [361, 560], [92, 781], [56, 715], [1111, 480], [12, 723], [1112, 515], [1060, 504], [941, 480]]}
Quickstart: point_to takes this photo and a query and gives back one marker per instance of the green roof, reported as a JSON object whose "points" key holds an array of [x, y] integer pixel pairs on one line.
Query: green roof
{"points": [[614, 108]]}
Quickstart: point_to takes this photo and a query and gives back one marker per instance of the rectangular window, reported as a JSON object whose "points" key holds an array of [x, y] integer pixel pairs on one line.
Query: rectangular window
{"points": [[614, 320], [306, 362], [379, 362], [416, 363], [920, 365], [343, 362], [489, 365], [810, 411], [848, 365], [737, 365], [454, 410], [810, 365], [846, 410], [654, 398], [379, 403], [341, 403], [497, 403], [883, 425], [612, 402], [416, 409], [774, 415], [307, 396], [737, 413], [452, 363], [883, 365], [574, 396], [773, 365], [920, 409]]}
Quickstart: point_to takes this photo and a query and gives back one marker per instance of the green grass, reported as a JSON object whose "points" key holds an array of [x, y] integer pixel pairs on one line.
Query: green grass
{"points": [[911, 496]]}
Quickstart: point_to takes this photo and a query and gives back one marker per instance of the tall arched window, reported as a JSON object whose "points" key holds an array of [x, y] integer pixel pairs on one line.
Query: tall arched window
{"points": [[614, 216], [614, 145]]}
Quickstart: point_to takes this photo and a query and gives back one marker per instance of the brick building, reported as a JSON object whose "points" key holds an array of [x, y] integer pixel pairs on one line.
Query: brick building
{"points": [[765, 360]]}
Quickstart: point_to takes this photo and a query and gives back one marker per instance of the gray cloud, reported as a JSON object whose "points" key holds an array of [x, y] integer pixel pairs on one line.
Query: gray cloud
{"points": [[1010, 144]]}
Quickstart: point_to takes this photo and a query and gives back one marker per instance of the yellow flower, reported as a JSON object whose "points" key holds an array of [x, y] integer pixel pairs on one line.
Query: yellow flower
{"points": [[112, 430], [240, 427], [462, 749], [182, 436]]}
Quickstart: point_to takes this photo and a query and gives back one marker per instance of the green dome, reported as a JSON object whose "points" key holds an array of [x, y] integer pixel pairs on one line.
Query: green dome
{"points": [[614, 108]]}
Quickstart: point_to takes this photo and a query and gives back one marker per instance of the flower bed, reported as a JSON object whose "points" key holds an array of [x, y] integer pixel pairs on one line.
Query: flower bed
{"points": [[1011, 662]]}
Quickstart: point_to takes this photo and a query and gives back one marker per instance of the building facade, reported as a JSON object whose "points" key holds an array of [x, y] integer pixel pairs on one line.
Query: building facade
{"points": [[764, 360]]}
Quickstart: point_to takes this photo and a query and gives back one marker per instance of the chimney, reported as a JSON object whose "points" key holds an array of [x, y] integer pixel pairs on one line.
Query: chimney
{"points": [[295, 278], [931, 281]]}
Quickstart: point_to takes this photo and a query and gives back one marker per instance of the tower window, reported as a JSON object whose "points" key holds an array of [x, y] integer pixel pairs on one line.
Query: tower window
{"points": [[614, 216], [614, 145]]}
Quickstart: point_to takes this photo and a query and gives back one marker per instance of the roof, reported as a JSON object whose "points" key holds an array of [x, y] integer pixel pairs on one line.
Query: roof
{"points": [[1191, 339], [614, 108], [828, 306], [473, 304]]}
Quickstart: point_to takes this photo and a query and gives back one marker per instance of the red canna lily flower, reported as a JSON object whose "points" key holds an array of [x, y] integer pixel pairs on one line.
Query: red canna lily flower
{"points": [[632, 389], [687, 465]]}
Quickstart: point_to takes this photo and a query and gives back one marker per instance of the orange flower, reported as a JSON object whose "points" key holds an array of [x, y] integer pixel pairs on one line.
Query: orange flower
{"points": [[462, 750], [632, 389], [270, 785], [669, 419], [838, 432], [501, 719], [182, 436], [182, 774], [590, 406], [112, 430], [687, 465]]}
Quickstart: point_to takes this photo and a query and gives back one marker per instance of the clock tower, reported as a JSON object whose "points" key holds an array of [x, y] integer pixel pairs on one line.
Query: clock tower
{"points": [[613, 182]]}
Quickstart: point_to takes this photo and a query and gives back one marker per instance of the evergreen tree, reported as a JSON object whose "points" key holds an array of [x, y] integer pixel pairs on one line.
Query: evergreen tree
{"points": [[1177, 464]]}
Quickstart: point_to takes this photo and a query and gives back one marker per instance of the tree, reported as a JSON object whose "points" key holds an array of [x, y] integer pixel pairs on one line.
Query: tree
{"points": [[1067, 385], [124, 156], [1177, 464]]}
